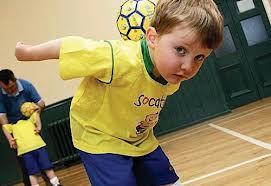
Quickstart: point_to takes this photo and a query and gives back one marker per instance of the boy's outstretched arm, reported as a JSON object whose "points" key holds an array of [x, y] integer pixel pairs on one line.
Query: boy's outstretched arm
{"points": [[43, 51]]}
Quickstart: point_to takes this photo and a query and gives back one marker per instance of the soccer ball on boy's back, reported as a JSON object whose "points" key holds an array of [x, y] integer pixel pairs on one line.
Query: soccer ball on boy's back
{"points": [[28, 108], [134, 18]]}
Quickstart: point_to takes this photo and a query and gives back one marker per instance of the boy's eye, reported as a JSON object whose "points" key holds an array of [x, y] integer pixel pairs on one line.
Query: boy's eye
{"points": [[181, 50], [199, 58]]}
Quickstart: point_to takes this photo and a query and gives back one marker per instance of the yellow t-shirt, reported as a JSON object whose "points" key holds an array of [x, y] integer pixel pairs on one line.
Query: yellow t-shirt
{"points": [[23, 132], [117, 104]]}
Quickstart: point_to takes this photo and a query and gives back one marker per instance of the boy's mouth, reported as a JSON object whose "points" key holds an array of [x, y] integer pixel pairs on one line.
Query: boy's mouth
{"points": [[181, 77]]}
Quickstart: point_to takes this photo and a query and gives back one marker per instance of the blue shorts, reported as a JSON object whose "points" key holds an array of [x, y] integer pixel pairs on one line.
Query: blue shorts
{"points": [[36, 160], [116, 170]]}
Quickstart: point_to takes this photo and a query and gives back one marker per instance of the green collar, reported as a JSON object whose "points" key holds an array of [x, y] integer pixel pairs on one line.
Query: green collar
{"points": [[148, 62]]}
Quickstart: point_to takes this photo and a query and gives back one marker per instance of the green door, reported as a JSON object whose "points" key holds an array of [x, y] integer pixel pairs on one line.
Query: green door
{"points": [[243, 61]]}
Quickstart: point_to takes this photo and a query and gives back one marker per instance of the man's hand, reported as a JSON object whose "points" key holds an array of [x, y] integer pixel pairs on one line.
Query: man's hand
{"points": [[40, 106], [37, 108], [12, 143]]}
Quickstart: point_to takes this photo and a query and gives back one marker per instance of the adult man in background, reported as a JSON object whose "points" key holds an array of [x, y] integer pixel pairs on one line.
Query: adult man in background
{"points": [[13, 93]]}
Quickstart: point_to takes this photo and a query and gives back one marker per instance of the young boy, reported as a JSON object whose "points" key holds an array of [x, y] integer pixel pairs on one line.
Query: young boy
{"points": [[125, 86], [30, 144]]}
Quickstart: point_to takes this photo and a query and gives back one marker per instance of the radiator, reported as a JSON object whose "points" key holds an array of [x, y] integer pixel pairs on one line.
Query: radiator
{"points": [[61, 145]]}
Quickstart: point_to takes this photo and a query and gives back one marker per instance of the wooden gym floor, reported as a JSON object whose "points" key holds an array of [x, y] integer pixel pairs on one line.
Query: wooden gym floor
{"points": [[231, 150]]}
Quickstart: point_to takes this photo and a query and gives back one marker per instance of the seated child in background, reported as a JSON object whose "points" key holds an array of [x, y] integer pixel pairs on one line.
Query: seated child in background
{"points": [[30, 144]]}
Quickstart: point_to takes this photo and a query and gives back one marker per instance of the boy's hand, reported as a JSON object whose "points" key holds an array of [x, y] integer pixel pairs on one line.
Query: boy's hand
{"points": [[21, 51], [12, 143], [37, 130], [19, 48]]}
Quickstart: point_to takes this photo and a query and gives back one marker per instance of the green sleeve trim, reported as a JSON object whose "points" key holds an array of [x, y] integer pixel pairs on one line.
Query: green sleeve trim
{"points": [[113, 62]]}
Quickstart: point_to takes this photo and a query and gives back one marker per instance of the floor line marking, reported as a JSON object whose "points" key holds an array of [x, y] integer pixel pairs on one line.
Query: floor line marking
{"points": [[226, 169], [243, 137]]}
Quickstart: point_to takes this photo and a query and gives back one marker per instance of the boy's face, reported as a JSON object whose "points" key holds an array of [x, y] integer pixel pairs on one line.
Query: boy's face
{"points": [[178, 55]]}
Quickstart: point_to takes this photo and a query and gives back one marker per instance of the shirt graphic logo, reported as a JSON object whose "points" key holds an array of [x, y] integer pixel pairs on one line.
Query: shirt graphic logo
{"points": [[149, 122]]}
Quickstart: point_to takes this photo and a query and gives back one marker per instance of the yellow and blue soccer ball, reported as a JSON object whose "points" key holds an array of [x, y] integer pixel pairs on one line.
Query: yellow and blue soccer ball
{"points": [[28, 108], [134, 18]]}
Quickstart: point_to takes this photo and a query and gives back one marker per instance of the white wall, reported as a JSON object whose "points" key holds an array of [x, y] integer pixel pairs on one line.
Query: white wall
{"points": [[35, 21]]}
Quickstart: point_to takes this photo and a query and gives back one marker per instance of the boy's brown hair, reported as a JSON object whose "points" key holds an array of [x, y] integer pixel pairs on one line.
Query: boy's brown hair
{"points": [[202, 16]]}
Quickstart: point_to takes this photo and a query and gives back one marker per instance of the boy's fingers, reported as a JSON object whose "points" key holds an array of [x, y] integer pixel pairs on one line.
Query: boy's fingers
{"points": [[37, 131], [13, 144], [19, 43]]}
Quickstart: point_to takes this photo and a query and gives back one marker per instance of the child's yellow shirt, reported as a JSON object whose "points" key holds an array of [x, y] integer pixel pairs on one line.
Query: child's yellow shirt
{"points": [[24, 134], [117, 104]]}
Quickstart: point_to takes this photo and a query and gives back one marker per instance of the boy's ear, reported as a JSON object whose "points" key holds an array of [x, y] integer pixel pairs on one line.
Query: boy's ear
{"points": [[151, 36]]}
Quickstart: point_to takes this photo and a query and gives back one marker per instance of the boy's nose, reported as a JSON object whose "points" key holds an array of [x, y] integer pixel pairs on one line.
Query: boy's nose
{"points": [[188, 65]]}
